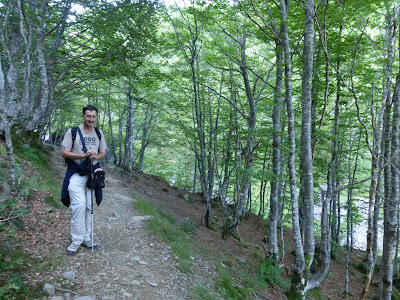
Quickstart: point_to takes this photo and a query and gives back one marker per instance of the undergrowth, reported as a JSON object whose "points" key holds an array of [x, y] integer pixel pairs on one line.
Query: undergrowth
{"points": [[38, 155], [180, 238], [14, 262]]}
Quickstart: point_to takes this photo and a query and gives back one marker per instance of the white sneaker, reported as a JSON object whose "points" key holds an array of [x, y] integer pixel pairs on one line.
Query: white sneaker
{"points": [[88, 244], [72, 249]]}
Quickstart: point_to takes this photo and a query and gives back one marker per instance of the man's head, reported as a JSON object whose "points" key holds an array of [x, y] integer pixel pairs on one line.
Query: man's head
{"points": [[89, 116]]}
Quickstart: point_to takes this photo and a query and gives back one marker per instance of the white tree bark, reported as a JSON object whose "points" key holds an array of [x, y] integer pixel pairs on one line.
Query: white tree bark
{"points": [[276, 157], [298, 281]]}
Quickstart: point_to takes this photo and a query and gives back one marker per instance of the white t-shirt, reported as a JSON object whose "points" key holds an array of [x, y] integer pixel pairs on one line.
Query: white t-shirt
{"points": [[91, 142]]}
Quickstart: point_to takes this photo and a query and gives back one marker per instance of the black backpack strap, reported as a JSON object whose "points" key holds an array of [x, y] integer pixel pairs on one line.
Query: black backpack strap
{"points": [[83, 140], [98, 132], [73, 133]]}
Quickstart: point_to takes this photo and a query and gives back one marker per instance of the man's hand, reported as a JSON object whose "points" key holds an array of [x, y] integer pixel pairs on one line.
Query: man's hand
{"points": [[66, 153], [91, 153]]}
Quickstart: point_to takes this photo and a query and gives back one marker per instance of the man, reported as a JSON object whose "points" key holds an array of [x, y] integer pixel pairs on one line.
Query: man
{"points": [[87, 148]]}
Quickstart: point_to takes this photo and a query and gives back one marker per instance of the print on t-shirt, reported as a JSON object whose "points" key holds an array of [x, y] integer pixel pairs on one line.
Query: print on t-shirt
{"points": [[89, 142]]}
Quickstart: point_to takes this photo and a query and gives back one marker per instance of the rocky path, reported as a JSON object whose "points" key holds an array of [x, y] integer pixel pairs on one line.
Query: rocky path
{"points": [[130, 263]]}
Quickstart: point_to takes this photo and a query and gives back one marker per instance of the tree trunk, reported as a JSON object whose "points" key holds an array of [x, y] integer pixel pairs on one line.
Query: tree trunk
{"points": [[111, 132], [129, 155], [273, 251], [306, 153], [375, 163], [390, 206], [298, 280]]}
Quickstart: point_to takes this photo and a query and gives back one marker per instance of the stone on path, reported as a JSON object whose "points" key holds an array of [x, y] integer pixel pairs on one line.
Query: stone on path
{"points": [[136, 219], [152, 283], [69, 275], [49, 289]]}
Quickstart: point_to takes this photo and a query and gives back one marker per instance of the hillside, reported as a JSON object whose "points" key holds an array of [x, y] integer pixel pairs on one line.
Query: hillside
{"points": [[134, 263]]}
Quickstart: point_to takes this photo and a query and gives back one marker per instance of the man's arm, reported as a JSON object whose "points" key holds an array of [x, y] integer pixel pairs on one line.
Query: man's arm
{"points": [[101, 155], [66, 153]]}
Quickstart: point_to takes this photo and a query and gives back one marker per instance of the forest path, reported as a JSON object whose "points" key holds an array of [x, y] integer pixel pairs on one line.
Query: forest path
{"points": [[130, 263]]}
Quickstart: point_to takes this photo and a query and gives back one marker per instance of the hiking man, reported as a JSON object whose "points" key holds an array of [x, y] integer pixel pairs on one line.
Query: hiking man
{"points": [[82, 147]]}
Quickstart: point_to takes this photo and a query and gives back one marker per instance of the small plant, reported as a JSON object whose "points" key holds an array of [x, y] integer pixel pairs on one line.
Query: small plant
{"points": [[188, 227], [227, 286], [270, 273]]}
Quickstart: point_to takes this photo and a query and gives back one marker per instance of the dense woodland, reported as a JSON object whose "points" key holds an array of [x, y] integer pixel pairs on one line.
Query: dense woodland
{"points": [[267, 107]]}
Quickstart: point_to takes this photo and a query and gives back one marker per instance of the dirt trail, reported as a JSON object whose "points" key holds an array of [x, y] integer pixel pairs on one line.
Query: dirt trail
{"points": [[130, 263]]}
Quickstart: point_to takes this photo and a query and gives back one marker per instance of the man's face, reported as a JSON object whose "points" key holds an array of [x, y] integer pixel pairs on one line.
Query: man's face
{"points": [[89, 118]]}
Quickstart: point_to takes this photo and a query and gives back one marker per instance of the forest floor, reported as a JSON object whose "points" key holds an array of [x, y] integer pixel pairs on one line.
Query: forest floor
{"points": [[131, 263]]}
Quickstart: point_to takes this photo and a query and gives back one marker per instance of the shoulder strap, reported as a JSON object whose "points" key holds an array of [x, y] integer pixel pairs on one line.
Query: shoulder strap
{"points": [[83, 140], [73, 133], [98, 132]]}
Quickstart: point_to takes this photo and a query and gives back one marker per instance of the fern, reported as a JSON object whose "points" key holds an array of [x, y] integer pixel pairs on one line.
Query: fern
{"points": [[271, 273]]}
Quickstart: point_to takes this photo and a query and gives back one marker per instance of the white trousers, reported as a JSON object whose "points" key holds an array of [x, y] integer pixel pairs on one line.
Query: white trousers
{"points": [[81, 203]]}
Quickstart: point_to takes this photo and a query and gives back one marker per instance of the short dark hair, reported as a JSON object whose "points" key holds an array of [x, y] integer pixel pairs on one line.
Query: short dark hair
{"points": [[91, 108]]}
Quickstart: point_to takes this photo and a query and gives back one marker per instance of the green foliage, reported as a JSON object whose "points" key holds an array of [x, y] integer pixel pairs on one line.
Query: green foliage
{"points": [[336, 250], [144, 207], [13, 264], [270, 273], [201, 293], [316, 294], [38, 155], [189, 227], [9, 210], [3, 150], [228, 287], [395, 294]]}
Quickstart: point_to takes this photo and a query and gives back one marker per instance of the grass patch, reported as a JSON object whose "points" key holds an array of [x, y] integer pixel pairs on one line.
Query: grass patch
{"points": [[228, 287], [201, 293], [167, 229]]}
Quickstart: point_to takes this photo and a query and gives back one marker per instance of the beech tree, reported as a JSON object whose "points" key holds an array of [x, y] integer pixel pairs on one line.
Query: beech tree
{"points": [[31, 35]]}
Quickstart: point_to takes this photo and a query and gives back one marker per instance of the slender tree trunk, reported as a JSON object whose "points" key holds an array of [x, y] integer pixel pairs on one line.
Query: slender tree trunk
{"points": [[10, 153], [251, 123], [375, 162], [120, 136], [130, 139], [111, 133], [391, 206], [298, 281], [273, 251], [349, 216]]}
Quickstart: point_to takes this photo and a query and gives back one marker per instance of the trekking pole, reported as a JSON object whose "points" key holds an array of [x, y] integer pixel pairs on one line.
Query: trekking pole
{"points": [[91, 205]]}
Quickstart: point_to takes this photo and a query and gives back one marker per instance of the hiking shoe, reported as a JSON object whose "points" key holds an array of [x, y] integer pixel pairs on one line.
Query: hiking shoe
{"points": [[72, 249], [88, 244]]}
